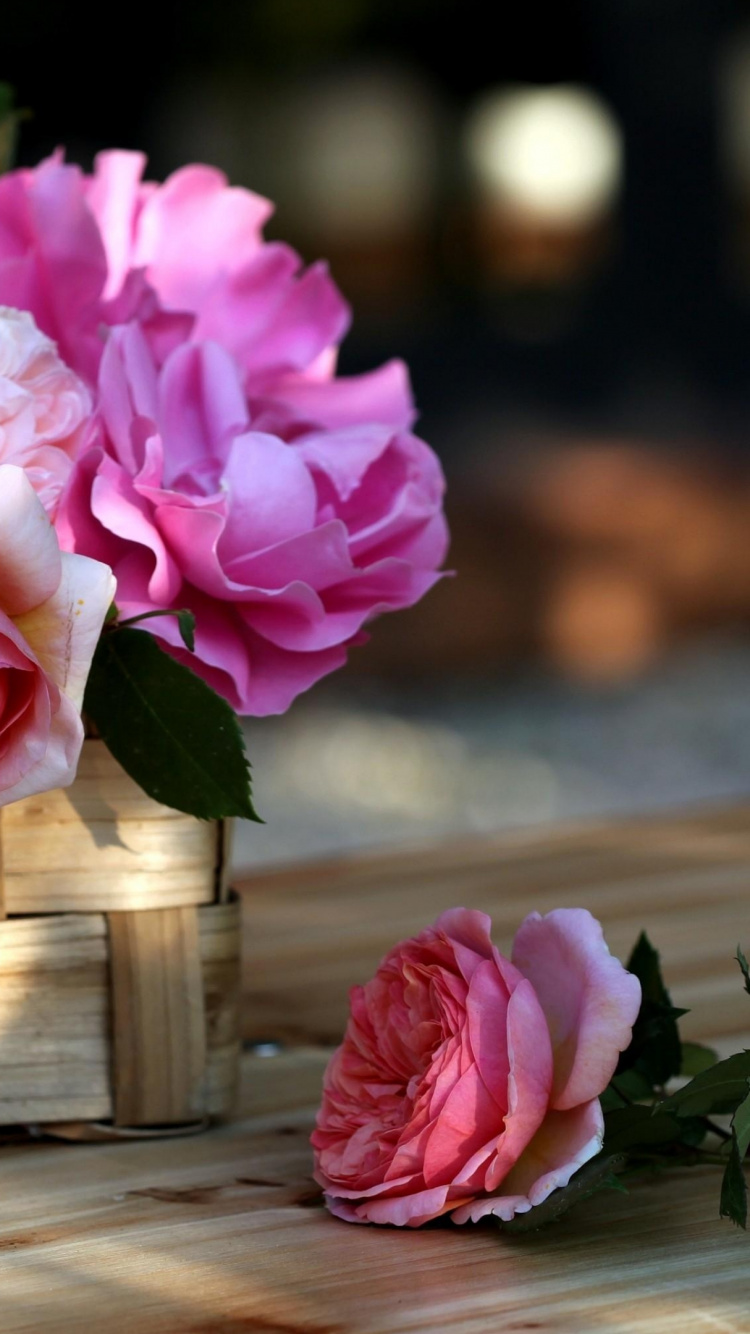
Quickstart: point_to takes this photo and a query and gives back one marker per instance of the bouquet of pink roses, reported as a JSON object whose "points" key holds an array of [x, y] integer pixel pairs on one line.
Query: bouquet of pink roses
{"points": [[168, 388]]}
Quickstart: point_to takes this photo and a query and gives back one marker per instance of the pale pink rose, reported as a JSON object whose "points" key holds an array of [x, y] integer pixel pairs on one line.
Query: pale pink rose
{"points": [[184, 259], [52, 608], [43, 406], [282, 548], [468, 1084]]}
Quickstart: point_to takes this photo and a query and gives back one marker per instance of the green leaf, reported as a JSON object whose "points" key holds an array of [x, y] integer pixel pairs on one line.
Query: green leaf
{"points": [[598, 1174], [655, 1050], [741, 1125], [721, 1088], [113, 611], [733, 1202], [626, 1129], [625, 1089], [174, 735], [745, 966], [696, 1059], [186, 626]]}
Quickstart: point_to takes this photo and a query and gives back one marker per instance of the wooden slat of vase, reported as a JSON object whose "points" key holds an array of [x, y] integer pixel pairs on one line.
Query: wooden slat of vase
{"points": [[54, 1015], [313, 931], [222, 1233], [103, 845], [158, 1019]]}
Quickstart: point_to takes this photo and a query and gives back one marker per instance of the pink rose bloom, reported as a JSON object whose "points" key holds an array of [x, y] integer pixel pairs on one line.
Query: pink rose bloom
{"points": [[186, 259], [282, 549], [43, 406], [467, 1084], [52, 608]]}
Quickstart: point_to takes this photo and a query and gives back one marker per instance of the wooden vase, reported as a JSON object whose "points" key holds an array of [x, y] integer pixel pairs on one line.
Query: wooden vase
{"points": [[119, 961]]}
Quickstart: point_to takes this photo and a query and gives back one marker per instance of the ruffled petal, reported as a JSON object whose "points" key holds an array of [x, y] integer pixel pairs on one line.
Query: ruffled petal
{"points": [[30, 566], [591, 1002], [63, 631], [563, 1143]]}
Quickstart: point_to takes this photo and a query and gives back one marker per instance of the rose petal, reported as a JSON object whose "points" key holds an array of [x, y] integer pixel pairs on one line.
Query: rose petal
{"points": [[63, 631], [563, 1143], [591, 1002], [29, 553]]}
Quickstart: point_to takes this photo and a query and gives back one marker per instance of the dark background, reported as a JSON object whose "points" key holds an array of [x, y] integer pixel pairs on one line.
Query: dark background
{"points": [[656, 339], [586, 383]]}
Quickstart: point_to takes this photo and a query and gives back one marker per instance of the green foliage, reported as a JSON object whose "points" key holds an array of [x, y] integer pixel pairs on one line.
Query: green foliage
{"points": [[696, 1059], [633, 1128], [174, 735], [733, 1203], [186, 626], [719, 1089], [655, 1052], [742, 961], [741, 1124]]}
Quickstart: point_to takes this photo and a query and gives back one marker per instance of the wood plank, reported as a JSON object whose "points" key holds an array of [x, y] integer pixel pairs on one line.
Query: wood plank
{"points": [[222, 1233], [103, 845], [55, 1053], [158, 1017], [311, 932]]}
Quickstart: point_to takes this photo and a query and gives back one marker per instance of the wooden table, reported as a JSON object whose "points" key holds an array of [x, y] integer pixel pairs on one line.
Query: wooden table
{"points": [[223, 1233]]}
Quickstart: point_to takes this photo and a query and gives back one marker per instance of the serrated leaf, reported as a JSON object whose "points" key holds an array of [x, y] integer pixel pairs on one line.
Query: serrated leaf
{"points": [[741, 1124], [696, 1058], [598, 1174], [655, 1049], [719, 1089], [745, 966], [733, 1202], [174, 735]]}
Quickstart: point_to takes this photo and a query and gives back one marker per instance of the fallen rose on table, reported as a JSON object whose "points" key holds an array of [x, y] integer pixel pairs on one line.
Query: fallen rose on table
{"points": [[469, 1085]]}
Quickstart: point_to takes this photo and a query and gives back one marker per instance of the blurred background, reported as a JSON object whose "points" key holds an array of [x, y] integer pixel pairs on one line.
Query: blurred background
{"points": [[549, 218]]}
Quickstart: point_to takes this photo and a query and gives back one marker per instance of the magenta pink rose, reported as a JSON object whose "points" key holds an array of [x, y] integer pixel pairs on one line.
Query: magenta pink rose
{"points": [[52, 608], [282, 547], [468, 1084], [186, 259]]}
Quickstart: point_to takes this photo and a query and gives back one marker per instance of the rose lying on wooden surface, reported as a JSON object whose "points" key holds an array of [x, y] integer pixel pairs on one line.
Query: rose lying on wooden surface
{"points": [[468, 1083], [52, 607]]}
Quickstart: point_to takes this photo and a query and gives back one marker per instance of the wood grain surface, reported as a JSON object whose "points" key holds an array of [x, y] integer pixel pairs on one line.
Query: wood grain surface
{"points": [[55, 1011], [224, 1233], [103, 845]]}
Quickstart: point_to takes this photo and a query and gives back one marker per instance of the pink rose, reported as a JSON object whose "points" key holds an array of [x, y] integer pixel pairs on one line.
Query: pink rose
{"points": [[184, 259], [43, 406], [467, 1084], [282, 547], [51, 612]]}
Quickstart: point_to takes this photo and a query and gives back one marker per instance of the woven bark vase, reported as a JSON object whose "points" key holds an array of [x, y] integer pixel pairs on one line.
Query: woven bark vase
{"points": [[119, 961]]}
